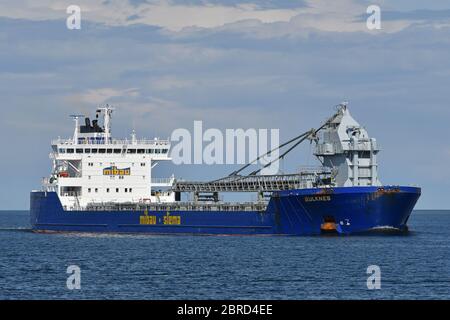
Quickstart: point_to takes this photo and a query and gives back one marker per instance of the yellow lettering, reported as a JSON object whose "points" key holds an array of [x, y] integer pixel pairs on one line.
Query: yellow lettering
{"points": [[147, 220], [114, 171], [172, 220]]}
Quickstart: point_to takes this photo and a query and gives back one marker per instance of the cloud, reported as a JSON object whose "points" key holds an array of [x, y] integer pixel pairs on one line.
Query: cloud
{"points": [[420, 15], [102, 95], [166, 14], [281, 18]]}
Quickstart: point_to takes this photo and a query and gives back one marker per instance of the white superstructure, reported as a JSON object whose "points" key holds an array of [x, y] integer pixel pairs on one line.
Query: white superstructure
{"points": [[345, 146], [92, 167]]}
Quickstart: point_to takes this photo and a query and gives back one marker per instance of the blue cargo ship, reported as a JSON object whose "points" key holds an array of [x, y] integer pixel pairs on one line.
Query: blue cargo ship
{"points": [[102, 184]]}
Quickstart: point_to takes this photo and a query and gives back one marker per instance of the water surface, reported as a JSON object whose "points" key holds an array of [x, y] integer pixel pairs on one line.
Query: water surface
{"points": [[413, 266]]}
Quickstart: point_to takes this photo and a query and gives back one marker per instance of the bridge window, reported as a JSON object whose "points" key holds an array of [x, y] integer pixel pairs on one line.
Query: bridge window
{"points": [[70, 150], [131, 151], [141, 151], [87, 150], [117, 151], [158, 151], [62, 150], [94, 150], [165, 150], [101, 150], [364, 154], [109, 151], [150, 151], [79, 150]]}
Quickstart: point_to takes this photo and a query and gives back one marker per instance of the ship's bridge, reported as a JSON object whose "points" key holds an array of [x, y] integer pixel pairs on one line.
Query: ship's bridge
{"points": [[93, 167], [68, 148], [93, 139]]}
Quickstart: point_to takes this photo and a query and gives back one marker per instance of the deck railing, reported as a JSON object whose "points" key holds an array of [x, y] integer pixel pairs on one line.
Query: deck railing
{"points": [[147, 142]]}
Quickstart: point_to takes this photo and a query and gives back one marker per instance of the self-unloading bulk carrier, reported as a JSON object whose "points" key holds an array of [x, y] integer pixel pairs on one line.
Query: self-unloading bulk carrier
{"points": [[102, 184]]}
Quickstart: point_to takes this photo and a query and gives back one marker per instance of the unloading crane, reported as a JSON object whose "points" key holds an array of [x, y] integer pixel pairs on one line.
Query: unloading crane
{"points": [[253, 182]]}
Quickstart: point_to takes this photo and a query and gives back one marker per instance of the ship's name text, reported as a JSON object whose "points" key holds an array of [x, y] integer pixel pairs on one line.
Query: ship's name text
{"points": [[317, 198]]}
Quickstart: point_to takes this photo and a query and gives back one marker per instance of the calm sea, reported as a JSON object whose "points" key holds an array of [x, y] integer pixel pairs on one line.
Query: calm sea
{"points": [[413, 266]]}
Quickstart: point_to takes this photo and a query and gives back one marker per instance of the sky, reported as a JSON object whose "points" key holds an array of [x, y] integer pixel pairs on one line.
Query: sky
{"points": [[232, 64]]}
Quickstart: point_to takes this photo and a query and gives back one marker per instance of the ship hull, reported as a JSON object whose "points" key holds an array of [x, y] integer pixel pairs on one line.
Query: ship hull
{"points": [[344, 210]]}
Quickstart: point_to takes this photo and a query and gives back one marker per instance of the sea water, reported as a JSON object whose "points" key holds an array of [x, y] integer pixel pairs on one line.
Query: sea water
{"points": [[412, 266]]}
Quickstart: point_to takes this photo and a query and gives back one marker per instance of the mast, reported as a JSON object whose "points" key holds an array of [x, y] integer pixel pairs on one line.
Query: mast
{"points": [[76, 133], [107, 114]]}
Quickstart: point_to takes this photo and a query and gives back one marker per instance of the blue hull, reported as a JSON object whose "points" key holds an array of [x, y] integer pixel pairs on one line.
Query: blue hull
{"points": [[293, 212]]}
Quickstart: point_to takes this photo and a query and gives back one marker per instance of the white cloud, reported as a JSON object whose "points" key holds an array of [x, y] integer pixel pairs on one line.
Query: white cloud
{"points": [[102, 95], [324, 15], [162, 13]]}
